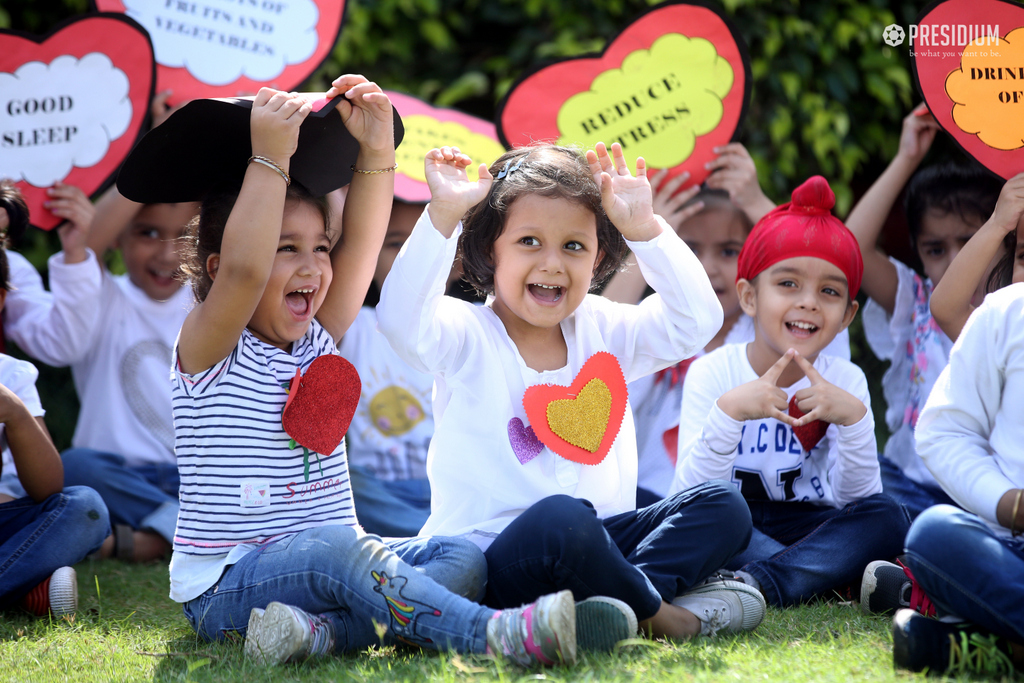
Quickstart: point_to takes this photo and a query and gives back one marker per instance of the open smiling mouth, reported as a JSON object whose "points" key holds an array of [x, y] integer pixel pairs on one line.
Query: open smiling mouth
{"points": [[548, 293], [802, 329], [300, 302]]}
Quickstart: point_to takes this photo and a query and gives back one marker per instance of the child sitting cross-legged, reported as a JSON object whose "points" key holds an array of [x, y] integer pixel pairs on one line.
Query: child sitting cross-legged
{"points": [[788, 425], [534, 452]]}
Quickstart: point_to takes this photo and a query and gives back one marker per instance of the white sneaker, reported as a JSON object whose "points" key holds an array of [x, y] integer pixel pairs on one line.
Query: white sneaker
{"points": [[282, 633], [724, 605]]}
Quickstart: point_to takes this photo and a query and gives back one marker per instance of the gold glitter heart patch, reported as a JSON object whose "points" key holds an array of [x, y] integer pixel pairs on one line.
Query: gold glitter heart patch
{"points": [[580, 422]]}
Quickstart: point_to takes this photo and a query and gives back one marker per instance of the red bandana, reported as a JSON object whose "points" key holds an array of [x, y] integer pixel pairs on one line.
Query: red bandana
{"points": [[804, 227]]}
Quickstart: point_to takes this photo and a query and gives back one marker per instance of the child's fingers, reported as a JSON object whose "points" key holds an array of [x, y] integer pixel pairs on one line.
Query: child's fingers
{"points": [[736, 148], [816, 413], [619, 159], [675, 202], [484, 173], [659, 177], [263, 96], [782, 416], [641, 167], [808, 369], [775, 371], [683, 215], [672, 184]]}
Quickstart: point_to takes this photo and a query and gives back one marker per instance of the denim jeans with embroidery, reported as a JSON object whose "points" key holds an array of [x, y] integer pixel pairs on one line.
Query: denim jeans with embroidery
{"points": [[352, 580]]}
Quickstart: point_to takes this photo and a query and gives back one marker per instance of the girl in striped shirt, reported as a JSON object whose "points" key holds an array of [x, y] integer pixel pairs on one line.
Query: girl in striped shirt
{"points": [[267, 546]]}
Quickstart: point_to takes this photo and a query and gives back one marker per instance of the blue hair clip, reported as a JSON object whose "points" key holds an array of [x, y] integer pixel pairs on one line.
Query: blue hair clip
{"points": [[506, 171]]}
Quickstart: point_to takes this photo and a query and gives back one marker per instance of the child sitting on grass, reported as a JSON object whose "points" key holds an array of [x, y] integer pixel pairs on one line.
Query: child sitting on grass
{"points": [[970, 561], [787, 424], [945, 206], [267, 542], [534, 486], [44, 527]]}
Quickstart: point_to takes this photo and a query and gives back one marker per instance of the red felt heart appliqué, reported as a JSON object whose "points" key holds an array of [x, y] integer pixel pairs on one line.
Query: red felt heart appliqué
{"points": [[64, 97], [810, 434], [580, 422], [321, 404]]}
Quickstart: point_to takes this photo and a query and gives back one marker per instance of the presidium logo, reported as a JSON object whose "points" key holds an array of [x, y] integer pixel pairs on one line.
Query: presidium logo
{"points": [[941, 35]]}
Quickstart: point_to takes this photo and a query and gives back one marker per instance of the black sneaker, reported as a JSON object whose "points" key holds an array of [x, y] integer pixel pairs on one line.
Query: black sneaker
{"points": [[920, 643], [887, 587]]}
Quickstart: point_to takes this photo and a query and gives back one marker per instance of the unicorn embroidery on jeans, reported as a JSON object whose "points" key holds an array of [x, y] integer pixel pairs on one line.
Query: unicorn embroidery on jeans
{"points": [[403, 612]]}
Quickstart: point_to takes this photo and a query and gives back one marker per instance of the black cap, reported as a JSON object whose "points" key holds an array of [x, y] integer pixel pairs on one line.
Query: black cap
{"points": [[205, 146]]}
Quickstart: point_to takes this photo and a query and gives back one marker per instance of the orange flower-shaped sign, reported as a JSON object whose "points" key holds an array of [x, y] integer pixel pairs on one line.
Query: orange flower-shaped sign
{"points": [[580, 422]]}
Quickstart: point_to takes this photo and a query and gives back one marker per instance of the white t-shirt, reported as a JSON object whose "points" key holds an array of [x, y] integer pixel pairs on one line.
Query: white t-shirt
{"points": [[970, 431], [20, 377], [391, 430], [242, 483], [479, 480], [763, 457], [48, 329], [119, 357], [919, 350], [656, 400]]}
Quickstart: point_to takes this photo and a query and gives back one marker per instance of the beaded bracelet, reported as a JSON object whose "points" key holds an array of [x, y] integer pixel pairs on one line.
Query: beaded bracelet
{"points": [[379, 170], [1014, 531], [270, 164]]}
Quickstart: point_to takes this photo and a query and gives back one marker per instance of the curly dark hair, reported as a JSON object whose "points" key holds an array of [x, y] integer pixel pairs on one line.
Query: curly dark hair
{"points": [[205, 232], [548, 171], [11, 201]]}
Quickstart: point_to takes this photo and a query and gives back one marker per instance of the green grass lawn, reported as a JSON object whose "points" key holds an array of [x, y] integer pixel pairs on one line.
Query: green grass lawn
{"points": [[129, 630]]}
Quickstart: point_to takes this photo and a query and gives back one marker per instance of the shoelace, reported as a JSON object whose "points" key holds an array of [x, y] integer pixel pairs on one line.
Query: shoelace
{"points": [[919, 602], [716, 619], [321, 637], [976, 653]]}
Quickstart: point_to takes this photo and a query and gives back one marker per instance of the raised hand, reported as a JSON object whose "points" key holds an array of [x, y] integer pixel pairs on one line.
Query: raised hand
{"points": [[452, 194], [761, 398], [626, 198], [274, 124], [919, 129], [159, 110], [71, 204], [733, 170], [367, 113], [1010, 205], [668, 203], [825, 401]]}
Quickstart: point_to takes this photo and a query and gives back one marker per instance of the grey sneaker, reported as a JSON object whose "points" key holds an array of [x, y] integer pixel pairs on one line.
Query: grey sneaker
{"points": [[283, 633], [543, 632], [722, 604], [602, 622]]}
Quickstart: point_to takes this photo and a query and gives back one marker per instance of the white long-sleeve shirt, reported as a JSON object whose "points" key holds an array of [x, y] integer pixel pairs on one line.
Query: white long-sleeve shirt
{"points": [[478, 485], [763, 457], [970, 433], [118, 343]]}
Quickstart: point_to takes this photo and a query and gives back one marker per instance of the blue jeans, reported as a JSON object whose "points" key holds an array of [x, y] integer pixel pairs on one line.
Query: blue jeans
{"points": [[915, 497], [36, 539], [389, 508], [968, 571], [144, 497], [800, 550], [641, 557], [351, 580]]}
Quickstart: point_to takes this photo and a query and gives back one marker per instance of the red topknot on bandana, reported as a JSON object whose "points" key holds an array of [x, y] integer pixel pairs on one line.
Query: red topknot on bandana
{"points": [[804, 227]]}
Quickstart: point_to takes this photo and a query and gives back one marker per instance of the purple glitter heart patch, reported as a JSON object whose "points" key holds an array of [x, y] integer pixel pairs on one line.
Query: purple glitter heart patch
{"points": [[525, 443]]}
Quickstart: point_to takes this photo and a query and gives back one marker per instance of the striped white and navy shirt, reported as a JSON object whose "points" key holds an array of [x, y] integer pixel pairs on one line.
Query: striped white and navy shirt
{"points": [[241, 482]]}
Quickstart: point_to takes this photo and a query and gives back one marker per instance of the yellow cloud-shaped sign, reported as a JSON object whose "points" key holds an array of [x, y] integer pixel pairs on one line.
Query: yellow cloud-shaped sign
{"points": [[988, 91], [424, 133], [655, 105]]}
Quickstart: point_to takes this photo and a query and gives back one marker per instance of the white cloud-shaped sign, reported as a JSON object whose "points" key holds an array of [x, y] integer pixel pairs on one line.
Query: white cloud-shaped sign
{"points": [[219, 41], [60, 115]]}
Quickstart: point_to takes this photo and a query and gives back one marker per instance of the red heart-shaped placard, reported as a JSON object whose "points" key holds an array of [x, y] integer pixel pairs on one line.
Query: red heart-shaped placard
{"points": [[983, 115], [321, 404], [230, 37], [57, 92], [659, 89], [427, 127], [809, 434], [602, 371]]}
